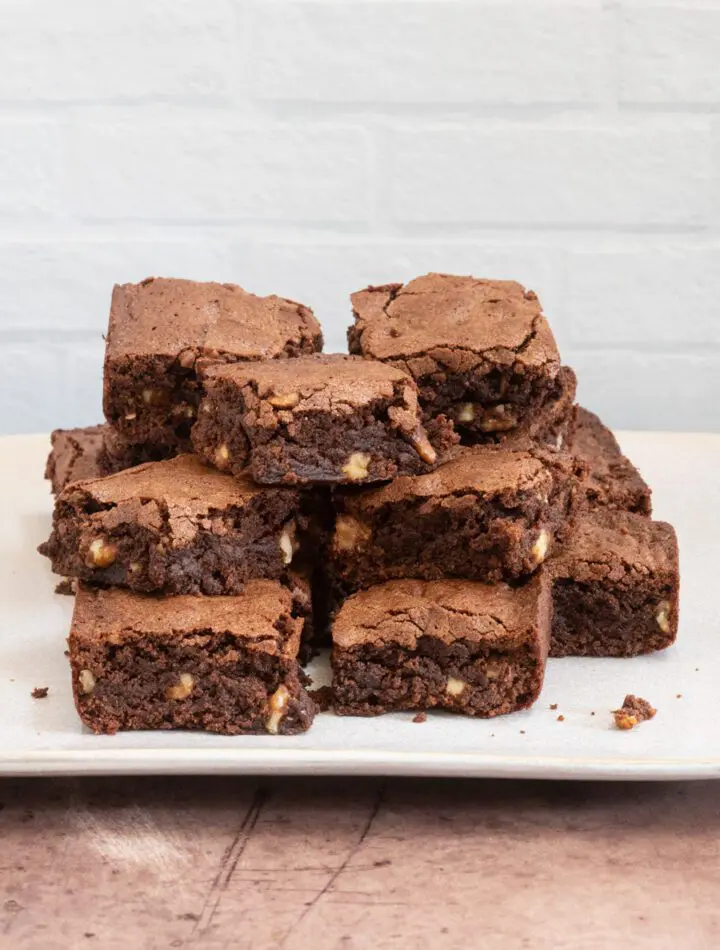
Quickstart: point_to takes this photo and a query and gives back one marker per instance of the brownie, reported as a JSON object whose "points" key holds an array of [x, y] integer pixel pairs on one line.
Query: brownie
{"points": [[323, 419], [488, 514], [174, 526], [459, 645], [612, 480], [75, 454], [161, 329], [615, 586], [222, 664], [481, 351]]}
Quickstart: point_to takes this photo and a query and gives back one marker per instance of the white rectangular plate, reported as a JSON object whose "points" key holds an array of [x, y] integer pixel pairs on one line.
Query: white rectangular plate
{"points": [[44, 736]]}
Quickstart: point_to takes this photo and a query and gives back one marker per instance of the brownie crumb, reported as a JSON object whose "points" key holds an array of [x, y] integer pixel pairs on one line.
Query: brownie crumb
{"points": [[553, 706], [561, 719], [420, 717], [67, 587], [522, 732], [633, 711], [592, 713], [323, 697], [40, 692], [679, 696]]}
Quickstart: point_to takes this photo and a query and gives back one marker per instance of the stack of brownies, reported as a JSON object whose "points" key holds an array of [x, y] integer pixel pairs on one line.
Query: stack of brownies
{"points": [[435, 505]]}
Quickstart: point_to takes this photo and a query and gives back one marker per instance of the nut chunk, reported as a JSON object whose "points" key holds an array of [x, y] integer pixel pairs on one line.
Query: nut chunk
{"points": [[453, 644], [615, 587], [488, 514], [633, 711], [316, 419], [161, 329], [480, 351], [221, 664], [175, 527]]}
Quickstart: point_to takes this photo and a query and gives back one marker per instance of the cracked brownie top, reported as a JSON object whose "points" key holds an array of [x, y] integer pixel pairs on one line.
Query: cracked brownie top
{"points": [[262, 617], [482, 469], [618, 547], [319, 383], [458, 321], [403, 611], [182, 482], [186, 319]]}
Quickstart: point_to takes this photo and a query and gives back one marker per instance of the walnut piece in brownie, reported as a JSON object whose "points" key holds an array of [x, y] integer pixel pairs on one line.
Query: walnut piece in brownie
{"points": [[488, 514], [221, 664], [75, 454], [615, 587], [161, 328], [459, 645], [315, 419], [612, 480], [633, 711], [481, 351], [175, 526]]}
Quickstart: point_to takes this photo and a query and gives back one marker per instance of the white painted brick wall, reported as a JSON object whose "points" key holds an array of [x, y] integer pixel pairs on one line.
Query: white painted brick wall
{"points": [[309, 147], [620, 174], [419, 52], [670, 55]]}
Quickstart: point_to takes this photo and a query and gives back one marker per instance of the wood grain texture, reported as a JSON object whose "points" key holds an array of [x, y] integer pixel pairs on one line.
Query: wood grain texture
{"points": [[350, 863]]}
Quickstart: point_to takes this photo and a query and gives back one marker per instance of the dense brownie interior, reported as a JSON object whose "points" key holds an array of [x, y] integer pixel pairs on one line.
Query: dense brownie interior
{"points": [[119, 454]]}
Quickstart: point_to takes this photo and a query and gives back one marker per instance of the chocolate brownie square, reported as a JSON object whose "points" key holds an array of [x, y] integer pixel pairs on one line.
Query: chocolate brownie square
{"points": [[458, 645], [488, 514], [481, 351], [615, 587], [75, 454], [176, 527], [221, 664], [325, 419], [612, 480], [161, 329]]}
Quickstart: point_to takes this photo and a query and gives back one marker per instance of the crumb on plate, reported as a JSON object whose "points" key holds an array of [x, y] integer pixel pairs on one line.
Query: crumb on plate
{"points": [[633, 711]]}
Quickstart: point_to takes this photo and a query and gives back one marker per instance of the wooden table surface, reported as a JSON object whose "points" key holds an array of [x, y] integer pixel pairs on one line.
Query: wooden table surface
{"points": [[341, 864]]}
